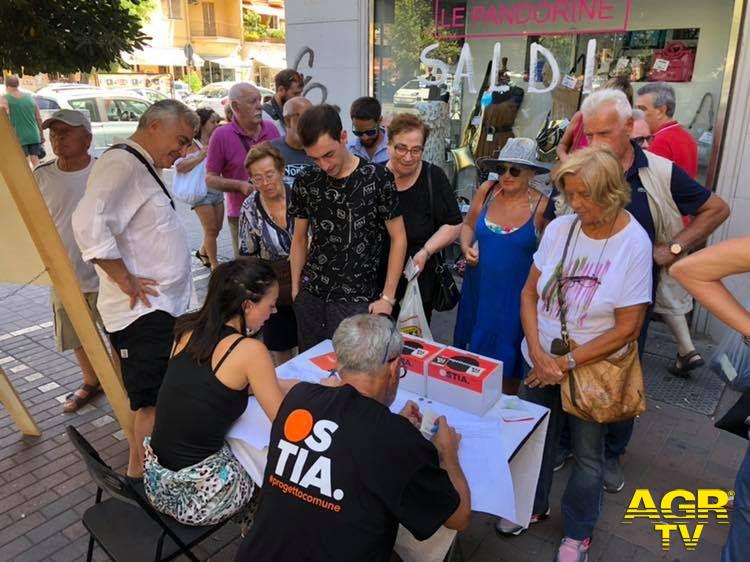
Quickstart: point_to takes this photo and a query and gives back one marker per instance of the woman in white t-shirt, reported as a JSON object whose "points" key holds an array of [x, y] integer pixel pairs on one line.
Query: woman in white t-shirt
{"points": [[605, 284]]}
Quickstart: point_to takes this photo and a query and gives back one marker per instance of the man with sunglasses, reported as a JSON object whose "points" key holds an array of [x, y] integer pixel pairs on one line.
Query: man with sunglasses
{"points": [[350, 208], [289, 85], [641, 134], [344, 472], [371, 140]]}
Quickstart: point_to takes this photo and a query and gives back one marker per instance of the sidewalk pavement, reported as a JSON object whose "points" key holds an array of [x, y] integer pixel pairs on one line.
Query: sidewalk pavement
{"points": [[44, 487]]}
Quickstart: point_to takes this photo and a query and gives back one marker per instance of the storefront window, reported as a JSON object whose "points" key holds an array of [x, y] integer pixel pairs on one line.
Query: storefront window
{"points": [[683, 42]]}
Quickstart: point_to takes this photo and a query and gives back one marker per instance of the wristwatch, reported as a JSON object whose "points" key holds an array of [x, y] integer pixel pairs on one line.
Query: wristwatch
{"points": [[571, 360], [676, 249]]}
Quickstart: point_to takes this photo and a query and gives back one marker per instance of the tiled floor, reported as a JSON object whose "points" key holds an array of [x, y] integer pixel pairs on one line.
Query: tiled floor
{"points": [[44, 487]]}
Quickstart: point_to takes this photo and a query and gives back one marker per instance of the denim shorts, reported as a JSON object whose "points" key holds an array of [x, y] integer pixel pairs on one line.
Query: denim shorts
{"points": [[212, 198]]}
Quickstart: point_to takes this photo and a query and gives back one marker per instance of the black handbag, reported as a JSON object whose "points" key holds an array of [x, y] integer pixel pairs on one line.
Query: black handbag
{"points": [[446, 295], [737, 419]]}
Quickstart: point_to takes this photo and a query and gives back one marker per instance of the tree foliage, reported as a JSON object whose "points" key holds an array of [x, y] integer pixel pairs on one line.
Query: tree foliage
{"points": [[67, 36], [413, 30]]}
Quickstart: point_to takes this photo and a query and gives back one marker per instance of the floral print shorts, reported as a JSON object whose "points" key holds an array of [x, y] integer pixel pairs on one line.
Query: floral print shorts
{"points": [[205, 493]]}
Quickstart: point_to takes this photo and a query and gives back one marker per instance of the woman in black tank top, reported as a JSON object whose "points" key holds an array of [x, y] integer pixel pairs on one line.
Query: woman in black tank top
{"points": [[190, 472]]}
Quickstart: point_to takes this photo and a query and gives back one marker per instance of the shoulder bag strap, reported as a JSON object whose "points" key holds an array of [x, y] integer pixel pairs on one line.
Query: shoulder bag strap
{"points": [[139, 156], [560, 298], [428, 171]]}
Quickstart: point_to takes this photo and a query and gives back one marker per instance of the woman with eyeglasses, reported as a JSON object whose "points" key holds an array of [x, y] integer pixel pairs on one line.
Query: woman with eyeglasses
{"points": [[266, 230], [426, 201], [498, 238], [596, 266]]}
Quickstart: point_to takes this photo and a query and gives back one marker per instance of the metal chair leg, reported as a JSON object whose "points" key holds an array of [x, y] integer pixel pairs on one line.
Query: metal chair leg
{"points": [[90, 551]]}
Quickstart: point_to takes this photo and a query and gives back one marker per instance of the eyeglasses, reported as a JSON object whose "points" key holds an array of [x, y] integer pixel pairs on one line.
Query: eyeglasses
{"points": [[366, 132], [640, 141], [514, 171], [582, 280], [262, 180], [402, 150]]}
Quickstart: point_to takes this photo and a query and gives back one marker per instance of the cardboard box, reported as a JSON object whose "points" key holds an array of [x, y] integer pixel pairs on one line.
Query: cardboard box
{"points": [[416, 356], [465, 380]]}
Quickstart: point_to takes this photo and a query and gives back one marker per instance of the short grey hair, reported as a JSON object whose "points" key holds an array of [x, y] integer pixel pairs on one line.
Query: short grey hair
{"points": [[237, 90], [638, 115], [362, 341], [169, 109], [663, 95], [604, 97]]}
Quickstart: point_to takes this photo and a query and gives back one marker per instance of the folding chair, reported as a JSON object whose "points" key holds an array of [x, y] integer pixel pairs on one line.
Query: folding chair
{"points": [[126, 526]]}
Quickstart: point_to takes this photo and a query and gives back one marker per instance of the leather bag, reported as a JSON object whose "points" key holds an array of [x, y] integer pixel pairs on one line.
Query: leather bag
{"points": [[681, 62]]}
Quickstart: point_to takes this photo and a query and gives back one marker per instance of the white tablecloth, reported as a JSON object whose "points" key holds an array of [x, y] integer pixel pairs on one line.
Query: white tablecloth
{"points": [[502, 484]]}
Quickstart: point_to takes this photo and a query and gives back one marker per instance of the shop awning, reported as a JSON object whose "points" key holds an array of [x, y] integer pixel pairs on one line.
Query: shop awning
{"points": [[229, 62], [161, 56], [265, 10]]}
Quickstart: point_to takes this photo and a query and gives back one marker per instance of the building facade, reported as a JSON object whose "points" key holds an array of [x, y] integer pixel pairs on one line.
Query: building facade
{"points": [[694, 45]]}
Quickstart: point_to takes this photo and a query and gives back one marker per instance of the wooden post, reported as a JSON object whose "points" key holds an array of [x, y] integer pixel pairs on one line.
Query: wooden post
{"points": [[16, 408], [41, 228]]}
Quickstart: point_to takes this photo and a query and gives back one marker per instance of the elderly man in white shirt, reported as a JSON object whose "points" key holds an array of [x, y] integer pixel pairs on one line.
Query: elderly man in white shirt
{"points": [[126, 224], [62, 182]]}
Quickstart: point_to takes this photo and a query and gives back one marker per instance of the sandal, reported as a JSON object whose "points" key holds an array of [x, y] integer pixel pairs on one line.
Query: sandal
{"points": [[74, 402], [686, 363], [203, 258]]}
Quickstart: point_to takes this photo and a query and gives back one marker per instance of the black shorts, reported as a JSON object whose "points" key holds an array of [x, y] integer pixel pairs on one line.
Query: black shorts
{"points": [[280, 330], [144, 347]]}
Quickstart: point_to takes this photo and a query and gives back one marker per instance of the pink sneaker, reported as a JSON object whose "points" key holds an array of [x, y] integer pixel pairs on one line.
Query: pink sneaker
{"points": [[572, 550]]}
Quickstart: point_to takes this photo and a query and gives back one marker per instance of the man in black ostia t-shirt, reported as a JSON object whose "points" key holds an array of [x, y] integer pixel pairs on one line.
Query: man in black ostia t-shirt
{"points": [[350, 208], [344, 471]]}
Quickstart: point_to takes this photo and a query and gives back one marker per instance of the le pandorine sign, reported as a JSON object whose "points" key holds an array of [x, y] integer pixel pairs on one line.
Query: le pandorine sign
{"points": [[488, 18]]}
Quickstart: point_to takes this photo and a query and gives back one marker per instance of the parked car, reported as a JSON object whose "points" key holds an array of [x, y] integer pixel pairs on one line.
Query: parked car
{"points": [[412, 93], [150, 94], [216, 95], [181, 90], [114, 114]]}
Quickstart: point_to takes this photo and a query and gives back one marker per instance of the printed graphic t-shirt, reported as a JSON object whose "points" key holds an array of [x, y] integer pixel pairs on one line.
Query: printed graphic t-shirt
{"points": [[294, 160], [622, 268], [347, 217], [342, 473]]}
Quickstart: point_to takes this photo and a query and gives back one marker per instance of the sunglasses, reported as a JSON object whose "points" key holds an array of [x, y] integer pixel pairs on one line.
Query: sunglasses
{"points": [[640, 141], [366, 133], [514, 171]]}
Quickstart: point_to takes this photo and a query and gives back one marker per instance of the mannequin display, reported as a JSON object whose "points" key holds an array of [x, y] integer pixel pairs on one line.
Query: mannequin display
{"points": [[499, 116], [436, 115]]}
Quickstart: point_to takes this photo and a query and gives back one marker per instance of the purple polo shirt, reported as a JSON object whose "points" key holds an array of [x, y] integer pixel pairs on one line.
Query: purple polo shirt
{"points": [[226, 156]]}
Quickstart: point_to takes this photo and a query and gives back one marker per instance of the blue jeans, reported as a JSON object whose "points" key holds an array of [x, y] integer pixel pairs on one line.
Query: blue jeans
{"points": [[737, 546], [582, 500]]}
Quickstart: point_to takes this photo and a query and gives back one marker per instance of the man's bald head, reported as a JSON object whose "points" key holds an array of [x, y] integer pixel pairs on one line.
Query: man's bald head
{"points": [[293, 109], [246, 104], [296, 104]]}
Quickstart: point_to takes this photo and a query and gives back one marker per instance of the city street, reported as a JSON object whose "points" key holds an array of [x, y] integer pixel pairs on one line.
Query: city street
{"points": [[45, 487]]}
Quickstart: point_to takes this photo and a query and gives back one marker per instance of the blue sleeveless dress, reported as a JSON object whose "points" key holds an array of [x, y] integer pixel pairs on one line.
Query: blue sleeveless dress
{"points": [[489, 313]]}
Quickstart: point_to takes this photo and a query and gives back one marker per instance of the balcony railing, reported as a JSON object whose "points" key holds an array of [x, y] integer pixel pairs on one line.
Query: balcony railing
{"points": [[215, 29]]}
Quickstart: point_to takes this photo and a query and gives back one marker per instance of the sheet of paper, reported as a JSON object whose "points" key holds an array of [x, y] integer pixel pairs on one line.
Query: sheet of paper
{"points": [[481, 455]]}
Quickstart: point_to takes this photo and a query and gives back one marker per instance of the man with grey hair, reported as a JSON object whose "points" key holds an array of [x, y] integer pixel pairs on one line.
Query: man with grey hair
{"points": [[343, 471], [228, 148], [660, 194], [671, 140], [290, 145], [127, 226]]}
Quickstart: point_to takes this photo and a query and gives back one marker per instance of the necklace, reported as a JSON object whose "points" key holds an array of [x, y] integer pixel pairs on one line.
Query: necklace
{"points": [[279, 219], [606, 240]]}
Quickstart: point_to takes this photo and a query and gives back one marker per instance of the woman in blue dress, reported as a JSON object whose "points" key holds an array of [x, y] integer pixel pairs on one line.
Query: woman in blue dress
{"points": [[498, 239]]}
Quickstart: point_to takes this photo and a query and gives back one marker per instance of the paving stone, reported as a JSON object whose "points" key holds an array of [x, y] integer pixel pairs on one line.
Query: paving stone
{"points": [[14, 548], [44, 549], [33, 377]]}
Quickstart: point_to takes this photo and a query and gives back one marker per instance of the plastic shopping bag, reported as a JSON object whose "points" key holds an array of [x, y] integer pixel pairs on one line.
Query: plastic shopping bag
{"points": [[731, 361], [190, 187], [411, 319]]}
